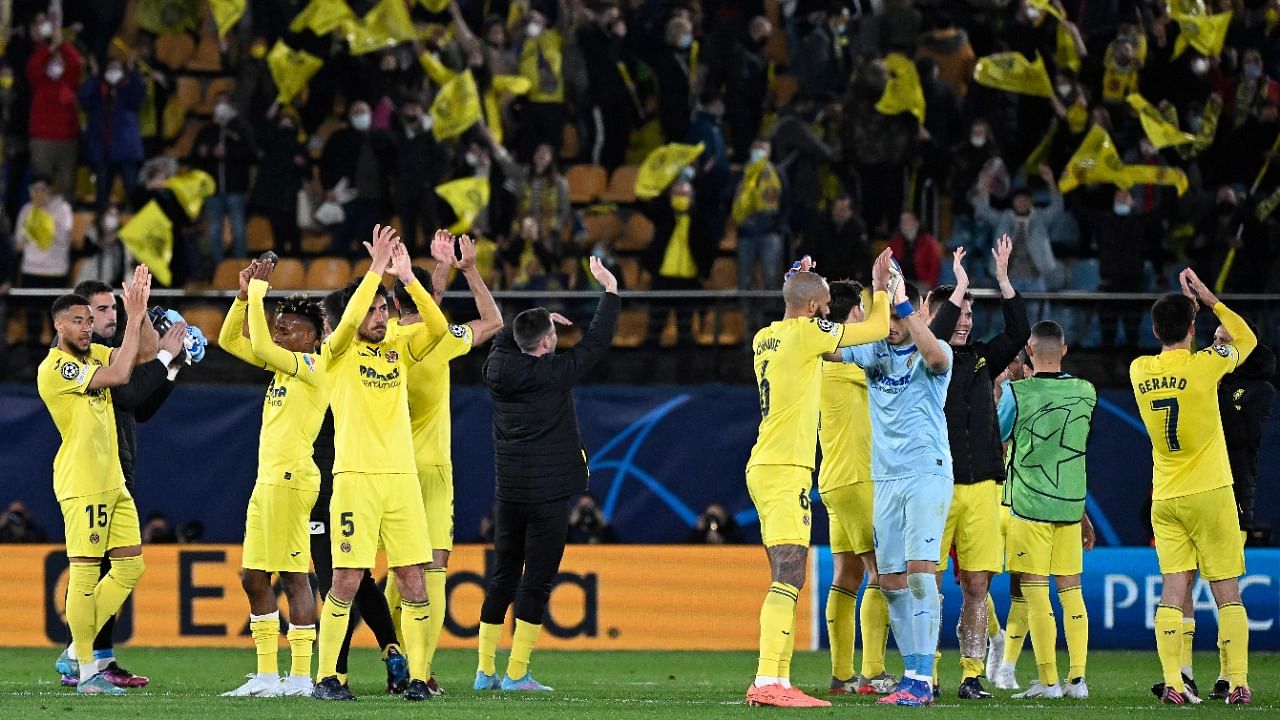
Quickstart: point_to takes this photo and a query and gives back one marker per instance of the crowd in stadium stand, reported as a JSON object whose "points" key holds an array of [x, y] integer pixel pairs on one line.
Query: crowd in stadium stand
{"points": [[787, 98]]}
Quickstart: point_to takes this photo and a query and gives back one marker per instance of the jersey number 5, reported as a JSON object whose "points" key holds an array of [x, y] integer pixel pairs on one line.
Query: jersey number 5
{"points": [[1169, 406], [764, 390]]}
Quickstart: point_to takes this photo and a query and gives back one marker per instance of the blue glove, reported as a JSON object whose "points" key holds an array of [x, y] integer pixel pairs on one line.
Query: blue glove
{"points": [[195, 342]]}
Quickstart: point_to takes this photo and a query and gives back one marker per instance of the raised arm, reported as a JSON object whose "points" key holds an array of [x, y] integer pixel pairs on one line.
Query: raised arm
{"points": [[120, 368], [1243, 341], [490, 321], [275, 357], [234, 335], [599, 336], [875, 323], [466, 38], [384, 240], [944, 320], [935, 357], [1004, 347], [424, 335]]}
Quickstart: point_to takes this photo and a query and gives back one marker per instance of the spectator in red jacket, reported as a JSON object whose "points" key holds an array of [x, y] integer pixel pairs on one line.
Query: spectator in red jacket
{"points": [[53, 74], [917, 252]]}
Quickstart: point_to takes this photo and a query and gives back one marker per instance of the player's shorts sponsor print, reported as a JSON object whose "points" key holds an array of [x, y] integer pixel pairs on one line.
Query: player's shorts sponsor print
{"points": [[369, 510]]}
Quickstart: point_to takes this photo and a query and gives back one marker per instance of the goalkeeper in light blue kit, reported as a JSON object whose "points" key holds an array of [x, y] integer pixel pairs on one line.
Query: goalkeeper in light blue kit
{"points": [[907, 378]]}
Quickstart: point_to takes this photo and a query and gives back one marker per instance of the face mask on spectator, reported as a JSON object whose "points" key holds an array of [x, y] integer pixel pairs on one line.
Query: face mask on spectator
{"points": [[680, 203], [361, 121], [258, 51], [472, 159], [1033, 14], [685, 41], [1253, 71], [1064, 89], [223, 112], [1122, 209], [757, 154], [1194, 123], [113, 75], [45, 30], [977, 139], [111, 222], [55, 70], [533, 29], [1199, 66]]}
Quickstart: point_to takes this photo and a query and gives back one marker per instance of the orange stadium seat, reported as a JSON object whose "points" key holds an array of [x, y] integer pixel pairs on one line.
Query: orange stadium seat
{"points": [[633, 326], [586, 182], [605, 227], [289, 275], [724, 274], [328, 273], [206, 317], [634, 277], [207, 57], [227, 275], [569, 142], [637, 234], [175, 50], [622, 185], [258, 234]]}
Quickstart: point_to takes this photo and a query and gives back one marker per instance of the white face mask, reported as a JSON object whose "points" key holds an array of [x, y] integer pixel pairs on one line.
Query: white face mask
{"points": [[1064, 89], [978, 140], [533, 29], [472, 159], [1033, 14], [1200, 66], [1122, 209], [111, 223], [223, 112], [45, 29], [113, 76], [361, 121], [757, 154], [55, 70], [685, 41]]}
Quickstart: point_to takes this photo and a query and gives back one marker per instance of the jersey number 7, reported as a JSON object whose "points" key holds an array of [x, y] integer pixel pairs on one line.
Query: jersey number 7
{"points": [[1169, 406]]}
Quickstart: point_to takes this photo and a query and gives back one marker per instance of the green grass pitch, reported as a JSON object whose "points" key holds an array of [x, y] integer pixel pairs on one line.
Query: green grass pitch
{"points": [[694, 685]]}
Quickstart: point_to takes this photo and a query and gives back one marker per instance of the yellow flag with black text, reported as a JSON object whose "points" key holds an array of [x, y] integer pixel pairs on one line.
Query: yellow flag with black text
{"points": [[662, 165], [1097, 162], [468, 197], [192, 188], [1012, 72], [1159, 130], [1206, 33], [456, 107], [149, 237], [322, 17], [902, 91], [291, 69], [226, 13]]}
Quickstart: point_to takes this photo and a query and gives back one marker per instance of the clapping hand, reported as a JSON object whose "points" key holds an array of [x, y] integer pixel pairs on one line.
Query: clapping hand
{"points": [[442, 247], [1193, 288], [137, 292], [467, 248], [603, 276], [383, 243], [880, 270], [401, 266], [957, 267]]}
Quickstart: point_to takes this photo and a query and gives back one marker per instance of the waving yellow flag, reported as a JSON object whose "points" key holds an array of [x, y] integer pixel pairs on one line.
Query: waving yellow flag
{"points": [[226, 13], [902, 93], [291, 69], [39, 227], [192, 187], [1012, 72], [661, 166], [467, 197], [149, 236], [168, 16], [1159, 130], [435, 6], [1098, 162], [456, 107], [322, 17], [386, 25], [1206, 34]]}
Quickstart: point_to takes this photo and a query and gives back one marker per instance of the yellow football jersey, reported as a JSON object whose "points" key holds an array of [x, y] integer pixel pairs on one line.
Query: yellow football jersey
{"points": [[788, 364], [844, 428], [88, 460], [1177, 394], [429, 416], [368, 388], [293, 408]]}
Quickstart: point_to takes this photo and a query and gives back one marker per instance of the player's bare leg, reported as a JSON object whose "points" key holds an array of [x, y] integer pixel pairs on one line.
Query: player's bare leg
{"points": [[972, 632], [788, 565]]}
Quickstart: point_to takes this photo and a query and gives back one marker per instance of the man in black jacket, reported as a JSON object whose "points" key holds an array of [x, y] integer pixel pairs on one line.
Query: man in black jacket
{"points": [[159, 359], [1246, 398], [978, 461], [540, 463], [366, 158]]}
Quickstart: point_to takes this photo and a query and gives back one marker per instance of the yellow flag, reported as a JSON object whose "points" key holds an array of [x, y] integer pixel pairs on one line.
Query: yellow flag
{"points": [[1159, 130], [192, 188], [1098, 162], [1013, 73], [514, 84], [435, 6], [291, 69], [902, 93], [386, 25], [661, 166], [149, 237], [467, 197], [761, 190], [322, 17], [456, 107], [226, 13], [1206, 33], [168, 16], [39, 227], [1066, 54], [1195, 8]]}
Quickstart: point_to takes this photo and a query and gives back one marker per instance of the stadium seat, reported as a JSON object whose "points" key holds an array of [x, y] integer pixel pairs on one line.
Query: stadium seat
{"points": [[206, 317], [175, 50], [258, 233], [785, 87], [729, 243], [622, 185], [187, 90], [586, 182], [634, 277], [602, 227], [732, 328], [567, 337], [724, 274], [636, 234], [315, 242], [360, 267], [207, 57], [569, 142], [181, 147], [289, 275], [328, 273], [211, 91], [81, 220], [633, 326], [227, 275]]}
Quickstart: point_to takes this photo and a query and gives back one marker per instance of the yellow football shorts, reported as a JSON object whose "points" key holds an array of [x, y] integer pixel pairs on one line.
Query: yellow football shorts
{"points": [[973, 526], [1200, 531], [97, 523], [436, 483], [1042, 548], [277, 529], [369, 509], [849, 510], [781, 496]]}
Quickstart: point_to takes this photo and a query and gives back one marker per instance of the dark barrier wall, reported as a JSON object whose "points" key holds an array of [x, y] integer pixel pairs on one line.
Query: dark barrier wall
{"points": [[659, 456]]}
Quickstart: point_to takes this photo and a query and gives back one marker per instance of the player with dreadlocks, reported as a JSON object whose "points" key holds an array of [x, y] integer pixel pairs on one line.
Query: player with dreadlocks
{"points": [[276, 538]]}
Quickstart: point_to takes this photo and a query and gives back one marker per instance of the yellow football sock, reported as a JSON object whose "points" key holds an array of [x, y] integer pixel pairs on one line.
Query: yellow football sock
{"points": [[874, 619], [526, 636], [777, 618], [417, 617], [842, 627], [1233, 633], [1224, 663], [1188, 644], [112, 590], [265, 630], [436, 578], [392, 593], [302, 638], [342, 678], [971, 667], [490, 633], [81, 581], [1169, 644], [1044, 630], [993, 620], [333, 629], [1075, 625], [1015, 631]]}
